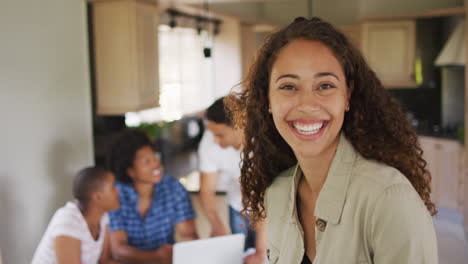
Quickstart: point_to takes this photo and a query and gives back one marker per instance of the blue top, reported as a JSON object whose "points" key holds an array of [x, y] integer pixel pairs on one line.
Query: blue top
{"points": [[171, 204]]}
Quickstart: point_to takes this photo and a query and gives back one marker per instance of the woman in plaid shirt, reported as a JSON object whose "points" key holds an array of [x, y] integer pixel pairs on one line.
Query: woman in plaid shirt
{"points": [[153, 205]]}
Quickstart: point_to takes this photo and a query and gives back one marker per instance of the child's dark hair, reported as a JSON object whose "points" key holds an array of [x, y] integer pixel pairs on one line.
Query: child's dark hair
{"points": [[87, 181]]}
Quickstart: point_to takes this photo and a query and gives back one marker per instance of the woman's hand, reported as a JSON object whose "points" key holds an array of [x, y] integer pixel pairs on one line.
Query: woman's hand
{"points": [[256, 258], [164, 254]]}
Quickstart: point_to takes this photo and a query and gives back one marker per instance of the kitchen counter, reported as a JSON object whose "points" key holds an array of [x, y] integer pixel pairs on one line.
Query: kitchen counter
{"points": [[191, 182]]}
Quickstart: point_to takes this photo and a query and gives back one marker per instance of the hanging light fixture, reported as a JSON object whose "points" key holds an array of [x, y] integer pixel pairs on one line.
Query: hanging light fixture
{"points": [[172, 18]]}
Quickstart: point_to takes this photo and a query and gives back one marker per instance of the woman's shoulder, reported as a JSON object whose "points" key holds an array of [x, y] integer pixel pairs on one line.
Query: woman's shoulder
{"points": [[372, 181], [171, 184], [280, 187], [373, 175], [283, 180], [170, 180]]}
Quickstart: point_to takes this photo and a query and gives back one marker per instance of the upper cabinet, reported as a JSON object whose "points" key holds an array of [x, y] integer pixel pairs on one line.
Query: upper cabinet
{"points": [[353, 33], [389, 48], [126, 55]]}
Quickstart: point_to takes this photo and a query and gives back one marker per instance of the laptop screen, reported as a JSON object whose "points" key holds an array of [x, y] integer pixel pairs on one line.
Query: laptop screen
{"points": [[226, 249]]}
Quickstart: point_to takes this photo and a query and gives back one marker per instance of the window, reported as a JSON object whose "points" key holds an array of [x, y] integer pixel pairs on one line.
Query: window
{"points": [[186, 80]]}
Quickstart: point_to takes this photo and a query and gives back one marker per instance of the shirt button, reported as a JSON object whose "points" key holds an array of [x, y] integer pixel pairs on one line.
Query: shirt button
{"points": [[321, 224]]}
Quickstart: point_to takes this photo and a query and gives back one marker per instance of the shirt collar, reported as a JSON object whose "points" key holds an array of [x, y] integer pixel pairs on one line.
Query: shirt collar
{"points": [[131, 192], [330, 202], [128, 191]]}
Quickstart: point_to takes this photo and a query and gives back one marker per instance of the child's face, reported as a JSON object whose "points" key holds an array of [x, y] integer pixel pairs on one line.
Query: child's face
{"points": [[109, 193]]}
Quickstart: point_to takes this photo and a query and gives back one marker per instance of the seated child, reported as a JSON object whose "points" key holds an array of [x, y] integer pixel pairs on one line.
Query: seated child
{"points": [[78, 232]]}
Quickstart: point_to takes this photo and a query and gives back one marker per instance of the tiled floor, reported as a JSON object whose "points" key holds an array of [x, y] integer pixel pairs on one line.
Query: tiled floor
{"points": [[453, 246]]}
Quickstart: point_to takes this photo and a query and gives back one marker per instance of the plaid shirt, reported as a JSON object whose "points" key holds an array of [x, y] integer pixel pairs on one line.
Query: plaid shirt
{"points": [[171, 204]]}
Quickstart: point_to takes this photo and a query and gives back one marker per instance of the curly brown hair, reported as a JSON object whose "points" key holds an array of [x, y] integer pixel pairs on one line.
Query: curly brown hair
{"points": [[375, 125]]}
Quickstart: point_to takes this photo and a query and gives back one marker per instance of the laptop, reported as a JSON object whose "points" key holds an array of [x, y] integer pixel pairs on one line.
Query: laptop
{"points": [[225, 249]]}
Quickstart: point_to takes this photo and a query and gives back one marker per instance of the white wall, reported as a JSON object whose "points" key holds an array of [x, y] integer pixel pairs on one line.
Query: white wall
{"points": [[46, 129]]}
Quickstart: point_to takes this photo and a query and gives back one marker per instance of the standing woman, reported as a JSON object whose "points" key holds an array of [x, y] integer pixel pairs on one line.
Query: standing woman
{"points": [[153, 205], [329, 158]]}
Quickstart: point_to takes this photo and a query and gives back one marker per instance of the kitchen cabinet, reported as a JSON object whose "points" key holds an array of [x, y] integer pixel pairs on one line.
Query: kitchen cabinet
{"points": [[389, 48], [444, 159], [126, 55], [248, 47], [353, 33]]}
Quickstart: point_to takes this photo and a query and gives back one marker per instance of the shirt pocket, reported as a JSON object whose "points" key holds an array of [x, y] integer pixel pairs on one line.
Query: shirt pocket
{"points": [[272, 254]]}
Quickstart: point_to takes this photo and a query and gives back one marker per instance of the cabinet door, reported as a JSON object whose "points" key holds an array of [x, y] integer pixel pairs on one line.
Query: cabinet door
{"points": [[148, 60], [353, 33], [389, 48], [125, 46], [449, 168]]}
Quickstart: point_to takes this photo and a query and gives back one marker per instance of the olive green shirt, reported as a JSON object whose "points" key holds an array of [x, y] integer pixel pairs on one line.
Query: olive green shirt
{"points": [[367, 212]]}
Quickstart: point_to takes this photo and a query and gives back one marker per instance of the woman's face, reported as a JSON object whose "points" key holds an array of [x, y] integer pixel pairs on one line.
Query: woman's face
{"points": [[146, 167], [308, 97]]}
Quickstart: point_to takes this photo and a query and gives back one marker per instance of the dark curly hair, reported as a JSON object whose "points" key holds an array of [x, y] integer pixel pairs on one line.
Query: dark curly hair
{"points": [[123, 151], [375, 124]]}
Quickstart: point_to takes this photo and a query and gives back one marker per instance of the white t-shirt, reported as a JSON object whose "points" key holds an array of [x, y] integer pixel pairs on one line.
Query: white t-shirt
{"points": [[213, 158], [68, 221]]}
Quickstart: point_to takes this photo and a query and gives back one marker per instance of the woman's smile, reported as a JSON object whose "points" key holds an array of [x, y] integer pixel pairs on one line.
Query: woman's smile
{"points": [[308, 130]]}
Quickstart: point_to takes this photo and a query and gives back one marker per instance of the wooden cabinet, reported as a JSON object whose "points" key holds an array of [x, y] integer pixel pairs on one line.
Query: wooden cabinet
{"points": [[353, 33], [389, 47], [126, 55], [248, 47], [445, 162]]}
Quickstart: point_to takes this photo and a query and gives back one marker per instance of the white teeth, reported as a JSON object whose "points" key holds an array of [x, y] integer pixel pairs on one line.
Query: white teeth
{"points": [[307, 129], [156, 172]]}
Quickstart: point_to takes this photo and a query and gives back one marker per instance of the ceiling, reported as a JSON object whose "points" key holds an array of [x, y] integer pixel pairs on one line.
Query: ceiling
{"points": [[212, 1], [339, 12]]}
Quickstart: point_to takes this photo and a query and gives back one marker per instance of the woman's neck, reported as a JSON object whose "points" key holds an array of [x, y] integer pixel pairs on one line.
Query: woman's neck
{"points": [[144, 190], [315, 169]]}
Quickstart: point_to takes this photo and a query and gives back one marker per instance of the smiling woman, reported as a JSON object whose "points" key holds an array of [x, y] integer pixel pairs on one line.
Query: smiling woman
{"points": [[153, 205], [329, 159]]}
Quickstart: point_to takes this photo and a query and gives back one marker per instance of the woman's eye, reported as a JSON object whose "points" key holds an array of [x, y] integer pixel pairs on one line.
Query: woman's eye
{"points": [[287, 87], [325, 86]]}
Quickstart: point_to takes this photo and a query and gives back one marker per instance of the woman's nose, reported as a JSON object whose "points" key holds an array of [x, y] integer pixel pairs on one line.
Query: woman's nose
{"points": [[308, 102]]}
